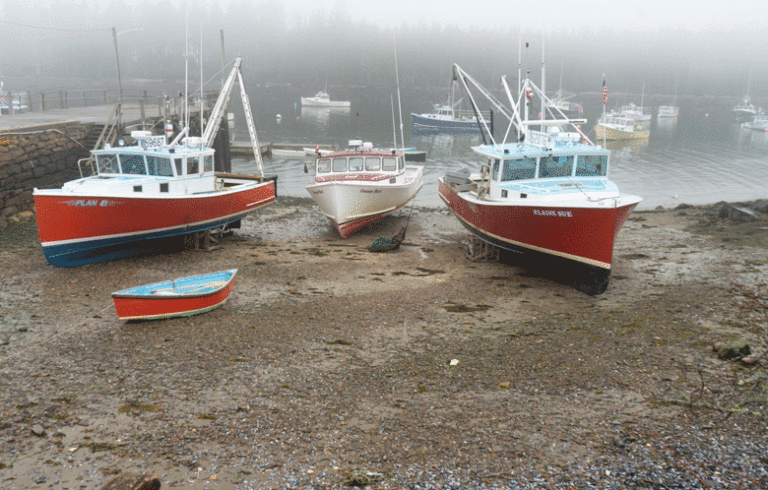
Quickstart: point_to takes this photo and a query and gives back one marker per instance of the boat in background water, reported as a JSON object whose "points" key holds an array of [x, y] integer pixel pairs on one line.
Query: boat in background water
{"points": [[668, 111], [546, 193], [446, 118], [176, 298], [758, 123], [322, 99], [146, 191], [615, 126], [360, 186]]}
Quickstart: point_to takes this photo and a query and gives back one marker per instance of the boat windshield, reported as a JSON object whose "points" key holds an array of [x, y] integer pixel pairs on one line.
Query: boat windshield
{"points": [[159, 166], [323, 165], [339, 164], [389, 164], [133, 164], [592, 166], [107, 164], [373, 163], [355, 164], [524, 168], [556, 166]]}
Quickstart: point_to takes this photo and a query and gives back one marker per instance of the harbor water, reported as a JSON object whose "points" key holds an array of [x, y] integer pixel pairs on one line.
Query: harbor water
{"points": [[702, 156]]}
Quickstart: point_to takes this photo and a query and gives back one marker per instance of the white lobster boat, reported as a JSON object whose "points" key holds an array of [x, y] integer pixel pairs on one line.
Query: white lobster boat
{"points": [[362, 185], [322, 99]]}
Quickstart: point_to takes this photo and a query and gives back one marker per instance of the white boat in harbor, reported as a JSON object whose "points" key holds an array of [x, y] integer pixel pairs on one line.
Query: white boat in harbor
{"points": [[322, 99], [745, 109], [668, 111], [758, 123], [559, 102], [617, 126], [362, 185], [446, 117], [12, 103]]}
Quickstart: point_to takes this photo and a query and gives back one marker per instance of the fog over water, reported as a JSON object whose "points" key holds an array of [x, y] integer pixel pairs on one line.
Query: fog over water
{"points": [[702, 55], [692, 48]]}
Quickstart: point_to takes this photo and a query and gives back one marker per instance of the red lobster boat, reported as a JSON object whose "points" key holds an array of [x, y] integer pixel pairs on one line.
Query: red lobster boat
{"points": [[180, 297], [548, 192], [147, 191]]}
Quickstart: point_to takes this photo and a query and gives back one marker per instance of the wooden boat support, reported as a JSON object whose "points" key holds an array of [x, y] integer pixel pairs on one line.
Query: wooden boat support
{"points": [[480, 251], [208, 240]]}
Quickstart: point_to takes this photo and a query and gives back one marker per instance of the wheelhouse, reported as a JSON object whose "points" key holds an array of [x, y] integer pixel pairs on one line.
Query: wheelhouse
{"points": [[359, 163], [161, 163]]}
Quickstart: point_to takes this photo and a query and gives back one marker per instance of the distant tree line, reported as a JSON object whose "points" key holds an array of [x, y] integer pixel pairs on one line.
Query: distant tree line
{"points": [[72, 40]]}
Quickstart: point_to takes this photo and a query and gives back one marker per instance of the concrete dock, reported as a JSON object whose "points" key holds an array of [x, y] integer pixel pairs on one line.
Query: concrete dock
{"points": [[98, 114]]}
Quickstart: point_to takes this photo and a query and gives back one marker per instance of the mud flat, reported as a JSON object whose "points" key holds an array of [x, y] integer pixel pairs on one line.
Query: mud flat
{"points": [[331, 366]]}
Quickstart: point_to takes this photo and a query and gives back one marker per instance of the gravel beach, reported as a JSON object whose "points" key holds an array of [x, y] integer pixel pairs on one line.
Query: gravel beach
{"points": [[331, 366]]}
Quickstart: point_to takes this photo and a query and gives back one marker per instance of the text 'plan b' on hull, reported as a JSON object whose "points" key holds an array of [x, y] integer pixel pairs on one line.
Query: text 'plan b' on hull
{"points": [[139, 194]]}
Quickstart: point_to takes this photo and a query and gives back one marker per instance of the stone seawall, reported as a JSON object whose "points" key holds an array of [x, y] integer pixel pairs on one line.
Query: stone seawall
{"points": [[43, 157]]}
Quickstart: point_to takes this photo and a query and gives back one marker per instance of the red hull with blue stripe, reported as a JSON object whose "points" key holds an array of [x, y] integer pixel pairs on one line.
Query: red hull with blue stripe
{"points": [[81, 229]]}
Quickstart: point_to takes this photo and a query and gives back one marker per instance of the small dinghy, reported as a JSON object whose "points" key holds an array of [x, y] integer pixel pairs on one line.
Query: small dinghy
{"points": [[179, 297]]}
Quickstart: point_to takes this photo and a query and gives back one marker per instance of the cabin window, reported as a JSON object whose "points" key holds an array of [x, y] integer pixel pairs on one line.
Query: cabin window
{"points": [[133, 164], [495, 170], [159, 166], [164, 187], [177, 162], [107, 164], [556, 166], [323, 166], [355, 164], [193, 165], [373, 164], [339, 164], [137, 188], [389, 164], [207, 163], [524, 168], [592, 165]]}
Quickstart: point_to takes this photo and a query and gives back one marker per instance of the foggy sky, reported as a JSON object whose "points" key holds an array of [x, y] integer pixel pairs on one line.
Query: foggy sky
{"points": [[698, 48], [622, 15]]}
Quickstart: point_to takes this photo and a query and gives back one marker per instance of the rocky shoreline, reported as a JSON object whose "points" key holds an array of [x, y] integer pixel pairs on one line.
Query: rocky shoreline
{"points": [[332, 366]]}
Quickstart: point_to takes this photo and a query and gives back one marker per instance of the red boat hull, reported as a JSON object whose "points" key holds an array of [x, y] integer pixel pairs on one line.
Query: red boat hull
{"points": [[157, 307], [582, 234], [73, 228]]}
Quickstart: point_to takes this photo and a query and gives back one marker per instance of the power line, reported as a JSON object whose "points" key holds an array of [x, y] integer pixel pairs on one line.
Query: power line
{"points": [[52, 28]]}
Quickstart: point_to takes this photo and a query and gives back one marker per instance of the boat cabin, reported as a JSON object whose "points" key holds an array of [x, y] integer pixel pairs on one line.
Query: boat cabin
{"points": [[620, 123], [152, 167], [552, 163], [361, 159]]}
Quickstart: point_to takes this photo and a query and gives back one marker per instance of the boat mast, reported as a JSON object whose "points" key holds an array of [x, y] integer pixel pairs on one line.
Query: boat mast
{"points": [[520, 62], [399, 103], [543, 85], [186, 69], [394, 131], [202, 101]]}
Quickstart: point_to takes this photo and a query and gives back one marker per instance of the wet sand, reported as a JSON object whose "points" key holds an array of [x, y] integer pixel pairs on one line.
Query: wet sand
{"points": [[332, 366]]}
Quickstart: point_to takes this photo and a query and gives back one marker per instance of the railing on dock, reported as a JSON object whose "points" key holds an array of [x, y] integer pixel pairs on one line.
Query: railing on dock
{"points": [[65, 99]]}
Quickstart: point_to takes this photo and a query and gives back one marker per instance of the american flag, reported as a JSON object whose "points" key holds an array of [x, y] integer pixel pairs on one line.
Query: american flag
{"points": [[605, 91]]}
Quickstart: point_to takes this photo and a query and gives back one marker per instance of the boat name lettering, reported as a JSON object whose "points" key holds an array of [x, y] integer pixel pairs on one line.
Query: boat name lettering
{"points": [[373, 191], [90, 203], [551, 212]]}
